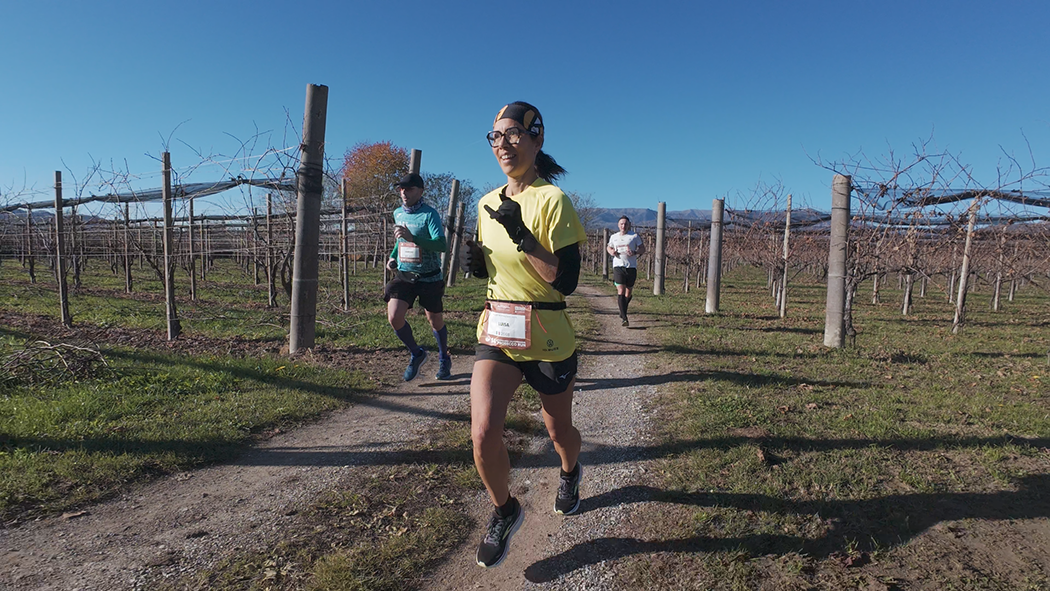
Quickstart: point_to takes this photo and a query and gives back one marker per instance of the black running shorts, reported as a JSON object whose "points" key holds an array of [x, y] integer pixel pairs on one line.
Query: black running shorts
{"points": [[625, 276], [546, 377], [428, 292]]}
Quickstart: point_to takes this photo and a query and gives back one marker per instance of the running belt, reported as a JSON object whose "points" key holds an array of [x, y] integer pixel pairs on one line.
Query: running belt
{"points": [[536, 305]]}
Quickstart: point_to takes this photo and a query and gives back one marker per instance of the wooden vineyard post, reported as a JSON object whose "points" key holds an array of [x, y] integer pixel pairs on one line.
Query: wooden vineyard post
{"points": [[605, 254], [658, 253], [30, 262], [271, 281], [997, 288], [688, 254], [174, 327], [344, 261], [834, 318], [714, 258], [193, 256], [385, 254], [310, 175], [964, 273], [255, 245], [450, 226], [457, 243], [127, 249], [60, 262], [784, 280]]}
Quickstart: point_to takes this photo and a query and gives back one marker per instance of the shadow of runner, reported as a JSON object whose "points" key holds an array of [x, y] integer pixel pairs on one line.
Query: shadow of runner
{"points": [[887, 522], [747, 379]]}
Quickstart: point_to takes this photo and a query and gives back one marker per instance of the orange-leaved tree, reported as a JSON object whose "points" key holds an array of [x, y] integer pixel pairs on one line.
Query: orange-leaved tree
{"points": [[372, 171]]}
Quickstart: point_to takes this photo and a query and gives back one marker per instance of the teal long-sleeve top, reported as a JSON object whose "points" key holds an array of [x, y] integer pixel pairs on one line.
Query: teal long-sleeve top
{"points": [[429, 236]]}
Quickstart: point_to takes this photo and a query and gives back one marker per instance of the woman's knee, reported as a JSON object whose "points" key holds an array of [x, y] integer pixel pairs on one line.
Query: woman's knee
{"points": [[562, 433], [486, 436]]}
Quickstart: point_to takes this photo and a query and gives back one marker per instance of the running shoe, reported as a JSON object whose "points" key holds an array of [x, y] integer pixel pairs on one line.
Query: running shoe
{"points": [[493, 548], [413, 366], [568, 500], [625, 322], [444, 368]]}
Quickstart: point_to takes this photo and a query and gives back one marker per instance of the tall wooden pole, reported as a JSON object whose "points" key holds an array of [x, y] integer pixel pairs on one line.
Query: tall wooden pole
{"points": [[127, 248], [31, 263], [605, 254], [457, 241], [308, 220], [60, 261], [344, 260], [413, 161], [688, 254], [784, 279], [255, 245], [450, 226], [193, 256], [714, 258], [834, 318], [661, 256], [271, 281], [174, 328], [964, 273]]}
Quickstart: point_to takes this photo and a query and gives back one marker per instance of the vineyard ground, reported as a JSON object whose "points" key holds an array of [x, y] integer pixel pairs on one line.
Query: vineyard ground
{"points": [[724, 452]]}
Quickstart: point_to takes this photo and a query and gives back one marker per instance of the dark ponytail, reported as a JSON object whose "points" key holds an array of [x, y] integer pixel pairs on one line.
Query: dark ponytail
{"points": [[547, 168]]}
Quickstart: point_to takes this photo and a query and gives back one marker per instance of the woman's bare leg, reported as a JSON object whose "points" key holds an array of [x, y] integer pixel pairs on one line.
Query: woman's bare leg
{"points": [[491, 387]]}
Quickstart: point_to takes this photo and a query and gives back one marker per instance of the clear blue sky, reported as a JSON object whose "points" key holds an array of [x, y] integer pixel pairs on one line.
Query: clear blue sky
{"points": [[644, 102]]}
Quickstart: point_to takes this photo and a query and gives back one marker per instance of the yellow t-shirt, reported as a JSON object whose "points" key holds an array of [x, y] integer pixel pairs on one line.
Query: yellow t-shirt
{"points": [[550, 216]]}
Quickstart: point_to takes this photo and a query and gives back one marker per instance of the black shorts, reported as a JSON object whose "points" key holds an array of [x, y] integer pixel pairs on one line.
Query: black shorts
{"points": [[625, 276], [546, 377], [428, 292]]}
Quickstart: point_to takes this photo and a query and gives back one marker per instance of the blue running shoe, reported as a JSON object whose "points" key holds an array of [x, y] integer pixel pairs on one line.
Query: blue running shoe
{"points": [[444, 368], [413, 366]]}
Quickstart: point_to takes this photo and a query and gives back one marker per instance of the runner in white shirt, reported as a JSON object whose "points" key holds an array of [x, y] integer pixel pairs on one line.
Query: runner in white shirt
{"points": [[625, 246]]}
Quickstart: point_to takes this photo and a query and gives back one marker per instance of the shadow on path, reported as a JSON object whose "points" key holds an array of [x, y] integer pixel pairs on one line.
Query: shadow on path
{"points": [[886, 521]]}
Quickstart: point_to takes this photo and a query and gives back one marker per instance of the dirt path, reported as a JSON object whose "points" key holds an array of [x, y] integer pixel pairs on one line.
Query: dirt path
{"points": [[175, 525], [611, 412]]}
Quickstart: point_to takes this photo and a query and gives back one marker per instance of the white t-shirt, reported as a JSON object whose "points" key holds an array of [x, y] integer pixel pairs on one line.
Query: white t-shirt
{"points": [[621, 243]]}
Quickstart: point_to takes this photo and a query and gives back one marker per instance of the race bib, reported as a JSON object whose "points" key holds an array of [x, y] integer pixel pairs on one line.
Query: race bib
{"points": [[408, 252], [507, 326]]}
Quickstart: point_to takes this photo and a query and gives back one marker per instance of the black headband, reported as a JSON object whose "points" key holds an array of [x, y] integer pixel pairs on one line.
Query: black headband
{"points": [[523, 113]]}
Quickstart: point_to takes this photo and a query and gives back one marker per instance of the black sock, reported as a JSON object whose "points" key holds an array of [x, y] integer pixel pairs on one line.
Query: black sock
{"points": [[575, 471], [622, 303], [507, 509]]}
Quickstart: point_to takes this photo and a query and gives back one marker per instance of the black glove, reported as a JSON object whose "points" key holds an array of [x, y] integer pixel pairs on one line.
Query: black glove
{"points": [[509, 216], [472, 259]]}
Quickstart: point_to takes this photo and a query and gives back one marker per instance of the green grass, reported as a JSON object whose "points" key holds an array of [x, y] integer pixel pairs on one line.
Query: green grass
{"points": [[151, 414], [780, 445]]}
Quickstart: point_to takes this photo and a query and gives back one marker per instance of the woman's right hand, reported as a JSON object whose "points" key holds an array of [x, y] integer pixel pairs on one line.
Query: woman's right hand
{"points": [[472, 259]]}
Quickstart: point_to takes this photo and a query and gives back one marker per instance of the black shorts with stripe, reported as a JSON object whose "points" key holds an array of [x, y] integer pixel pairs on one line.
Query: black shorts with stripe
{"points": [[625, 276]]}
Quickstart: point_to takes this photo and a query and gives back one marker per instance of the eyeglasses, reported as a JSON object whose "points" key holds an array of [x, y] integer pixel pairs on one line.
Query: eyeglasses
{"points": [[513, 136]]}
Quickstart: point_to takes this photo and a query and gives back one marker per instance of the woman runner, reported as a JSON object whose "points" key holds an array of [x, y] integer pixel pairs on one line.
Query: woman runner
{"points": [[528, 247]]}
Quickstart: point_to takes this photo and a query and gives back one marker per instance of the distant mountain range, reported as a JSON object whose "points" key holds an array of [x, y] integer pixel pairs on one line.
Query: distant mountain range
{"points": [[609, 218]]}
